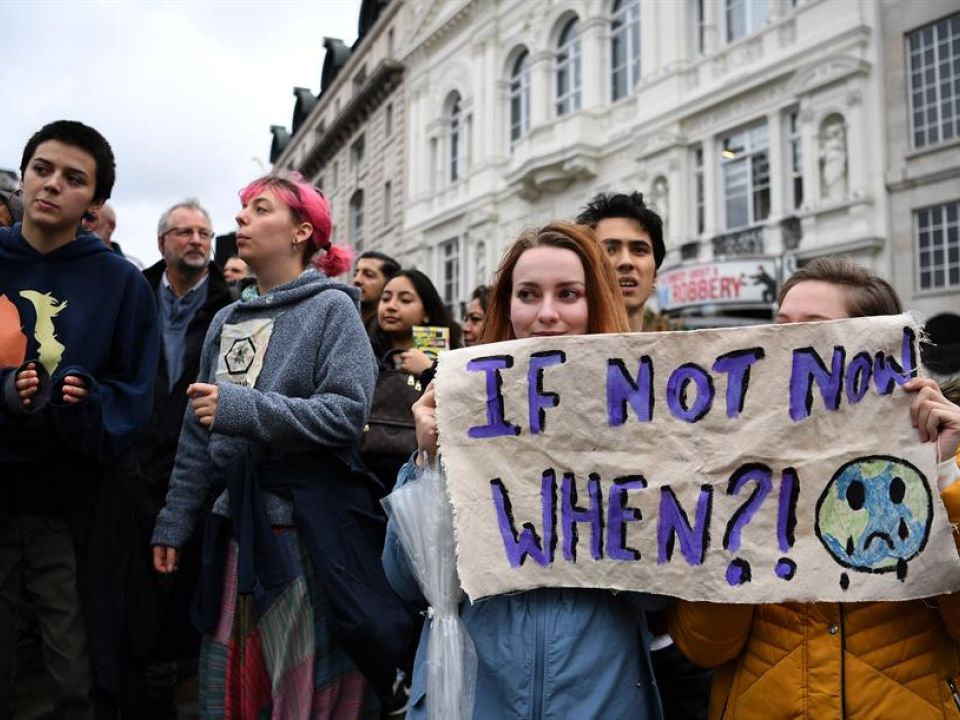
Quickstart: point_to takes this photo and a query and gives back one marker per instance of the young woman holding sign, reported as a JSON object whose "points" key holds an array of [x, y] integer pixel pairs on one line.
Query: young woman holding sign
{"points": [[826, 661], [546, 652]]}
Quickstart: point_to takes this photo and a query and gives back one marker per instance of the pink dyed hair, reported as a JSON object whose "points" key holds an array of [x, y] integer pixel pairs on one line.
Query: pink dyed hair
{"points": [[307, 205]]}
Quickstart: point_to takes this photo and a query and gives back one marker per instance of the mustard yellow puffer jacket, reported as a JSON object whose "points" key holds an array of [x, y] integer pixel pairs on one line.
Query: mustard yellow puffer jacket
{"points": [[827, 661]]}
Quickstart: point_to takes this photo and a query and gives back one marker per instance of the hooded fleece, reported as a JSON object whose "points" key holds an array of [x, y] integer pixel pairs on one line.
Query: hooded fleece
{"points": [[78, 310]]}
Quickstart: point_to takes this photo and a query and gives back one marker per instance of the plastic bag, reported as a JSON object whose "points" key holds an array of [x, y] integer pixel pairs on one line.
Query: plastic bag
{"points": [[423, 518]]}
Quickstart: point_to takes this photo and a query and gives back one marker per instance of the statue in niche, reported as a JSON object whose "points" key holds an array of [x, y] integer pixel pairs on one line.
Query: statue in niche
{"points": [[833, 158], [660, 195]]}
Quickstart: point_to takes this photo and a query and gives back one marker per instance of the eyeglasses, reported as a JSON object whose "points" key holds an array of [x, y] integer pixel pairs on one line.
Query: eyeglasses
{"points": [[185, 233]]}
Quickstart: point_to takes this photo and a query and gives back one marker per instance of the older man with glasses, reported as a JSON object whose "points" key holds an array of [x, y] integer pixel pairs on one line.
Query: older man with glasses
{"points": [[190, 289]]}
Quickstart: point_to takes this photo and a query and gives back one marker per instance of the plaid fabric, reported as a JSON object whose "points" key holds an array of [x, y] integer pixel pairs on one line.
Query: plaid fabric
{"points": [[282, 664]]}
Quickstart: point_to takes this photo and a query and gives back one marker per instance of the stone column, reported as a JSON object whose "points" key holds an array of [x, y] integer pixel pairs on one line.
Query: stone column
{"points": [[593, 71], [778, 179], [542, 94], [810, 148], [711, 187]]}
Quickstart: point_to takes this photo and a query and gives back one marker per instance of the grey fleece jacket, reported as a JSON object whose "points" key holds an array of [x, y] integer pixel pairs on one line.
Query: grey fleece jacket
{"points": [[314, 389]]}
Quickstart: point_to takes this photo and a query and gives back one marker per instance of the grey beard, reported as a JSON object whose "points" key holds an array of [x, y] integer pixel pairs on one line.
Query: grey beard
{"points": [[190, 270]]}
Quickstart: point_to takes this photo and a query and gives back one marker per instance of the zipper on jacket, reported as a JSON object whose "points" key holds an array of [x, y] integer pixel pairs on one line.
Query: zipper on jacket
{"points": [[538, 657], [843, 663], [953, 691]]}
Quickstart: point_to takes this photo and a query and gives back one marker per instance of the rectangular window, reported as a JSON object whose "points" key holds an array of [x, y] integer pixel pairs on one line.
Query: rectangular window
{"points": [[933, 57], [625, 48], [937, 234], [387, 203], [434, 152], [356, 220], [455, 148], [698, 188], [701, 27], [745, 165], [743, 17], [388, 120], [450, 272], [356, 154], [796, 160], [336, 174]]}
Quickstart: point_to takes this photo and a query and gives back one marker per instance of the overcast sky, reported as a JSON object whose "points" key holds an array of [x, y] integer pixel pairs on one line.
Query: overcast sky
{"points": [[185, 92]]}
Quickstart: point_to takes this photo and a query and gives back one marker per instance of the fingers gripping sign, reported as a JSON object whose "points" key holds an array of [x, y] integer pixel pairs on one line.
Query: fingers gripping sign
{"points": [[935, 418], [425, 418]]}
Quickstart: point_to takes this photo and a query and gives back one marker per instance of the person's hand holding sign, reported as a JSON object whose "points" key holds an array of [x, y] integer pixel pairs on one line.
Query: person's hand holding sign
{"points": [[936, 419], [425, 417]]}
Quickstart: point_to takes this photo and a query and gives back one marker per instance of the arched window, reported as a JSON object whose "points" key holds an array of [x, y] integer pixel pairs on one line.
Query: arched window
{"points": [[456, 140], [356, 220], [568, 68], [520, 97], [624, 47]]}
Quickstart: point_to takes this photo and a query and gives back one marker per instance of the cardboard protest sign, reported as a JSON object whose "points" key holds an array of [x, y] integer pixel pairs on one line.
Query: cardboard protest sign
{"points": [[757, 464]]}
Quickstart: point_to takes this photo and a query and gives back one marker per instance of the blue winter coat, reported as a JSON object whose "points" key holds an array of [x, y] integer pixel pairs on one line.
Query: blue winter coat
{"points": [[547, 653]]}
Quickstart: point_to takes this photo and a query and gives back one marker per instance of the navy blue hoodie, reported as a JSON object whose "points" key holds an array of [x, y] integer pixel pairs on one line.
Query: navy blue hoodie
{"points": [[79, 310]]}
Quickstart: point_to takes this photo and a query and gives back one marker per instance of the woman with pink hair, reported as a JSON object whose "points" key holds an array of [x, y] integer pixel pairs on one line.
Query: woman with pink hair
{"points": [[285, 383]]}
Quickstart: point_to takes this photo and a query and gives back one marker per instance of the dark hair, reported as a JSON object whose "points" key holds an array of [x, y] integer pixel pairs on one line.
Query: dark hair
{"points": [[867, 295], [71, 132], [388, 266], [481, 293], [433, 308], [631, 207], [604, 303], [14, 205]]}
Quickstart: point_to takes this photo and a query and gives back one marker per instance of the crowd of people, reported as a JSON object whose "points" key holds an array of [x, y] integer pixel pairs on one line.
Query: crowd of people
{"points": [[193, 460]]}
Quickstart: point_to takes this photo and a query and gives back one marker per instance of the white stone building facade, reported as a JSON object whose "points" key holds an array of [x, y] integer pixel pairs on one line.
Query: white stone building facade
{"points": [[765, 132], [921, 47], [349, 139]]}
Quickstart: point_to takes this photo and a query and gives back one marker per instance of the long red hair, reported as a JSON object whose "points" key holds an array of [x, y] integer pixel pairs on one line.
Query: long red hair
{"points": [[606, 313]]}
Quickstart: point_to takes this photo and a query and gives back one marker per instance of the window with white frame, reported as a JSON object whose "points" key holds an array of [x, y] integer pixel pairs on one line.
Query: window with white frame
{"points": [[450, 271], [745, 169], [934, 64], [937, 233], [434, 159], [520, 97], [700, 29], [388, 120], [624, 47], [568, 68], [743, 17], [456, 140], [698, 190], [356, 154], [796, 159], [356, 220], [336, 174]]}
